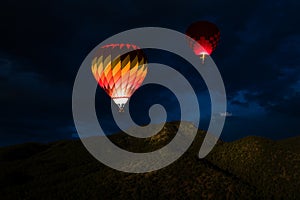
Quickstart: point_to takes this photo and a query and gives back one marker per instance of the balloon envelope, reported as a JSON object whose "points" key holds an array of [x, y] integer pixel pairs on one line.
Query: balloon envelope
{"points": [[119, 73], [206, 35]]}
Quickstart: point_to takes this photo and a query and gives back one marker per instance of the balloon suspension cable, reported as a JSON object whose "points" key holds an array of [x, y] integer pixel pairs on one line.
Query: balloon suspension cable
{"points": [[202, 57]]}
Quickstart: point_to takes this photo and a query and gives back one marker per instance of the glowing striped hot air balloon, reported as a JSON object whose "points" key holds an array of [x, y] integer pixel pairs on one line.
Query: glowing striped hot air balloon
{"points": [[119, 73], [206, 35]]}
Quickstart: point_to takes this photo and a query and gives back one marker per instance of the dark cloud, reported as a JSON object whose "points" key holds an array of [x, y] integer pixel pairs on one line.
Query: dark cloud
{"points": [[32, 108]]}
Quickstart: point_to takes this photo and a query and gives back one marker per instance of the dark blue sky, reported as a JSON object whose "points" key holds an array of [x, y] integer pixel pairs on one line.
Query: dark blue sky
{"points": [[43, 44]]}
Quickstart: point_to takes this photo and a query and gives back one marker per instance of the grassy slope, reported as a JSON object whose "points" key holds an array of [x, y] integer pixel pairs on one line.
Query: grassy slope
{"points": [[245, 169], [272, 167]]}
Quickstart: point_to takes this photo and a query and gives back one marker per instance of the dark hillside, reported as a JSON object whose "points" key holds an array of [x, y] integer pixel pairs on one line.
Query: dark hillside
{"points": [[250, 168]]}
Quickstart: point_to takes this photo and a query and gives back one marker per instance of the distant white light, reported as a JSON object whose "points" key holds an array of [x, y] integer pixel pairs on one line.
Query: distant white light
{"points": [[226, 114]]}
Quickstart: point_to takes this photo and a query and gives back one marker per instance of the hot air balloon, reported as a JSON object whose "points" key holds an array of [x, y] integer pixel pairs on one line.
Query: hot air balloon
{"points": [[119, 73], [206, 35]]}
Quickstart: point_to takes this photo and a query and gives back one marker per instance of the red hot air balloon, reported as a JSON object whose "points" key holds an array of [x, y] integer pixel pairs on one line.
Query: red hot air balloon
{"points": [[206, 35], [119, 73]]}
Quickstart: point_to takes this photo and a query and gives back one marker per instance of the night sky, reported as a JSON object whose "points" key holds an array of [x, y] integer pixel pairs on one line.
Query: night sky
{"points": [[43, 44]]}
